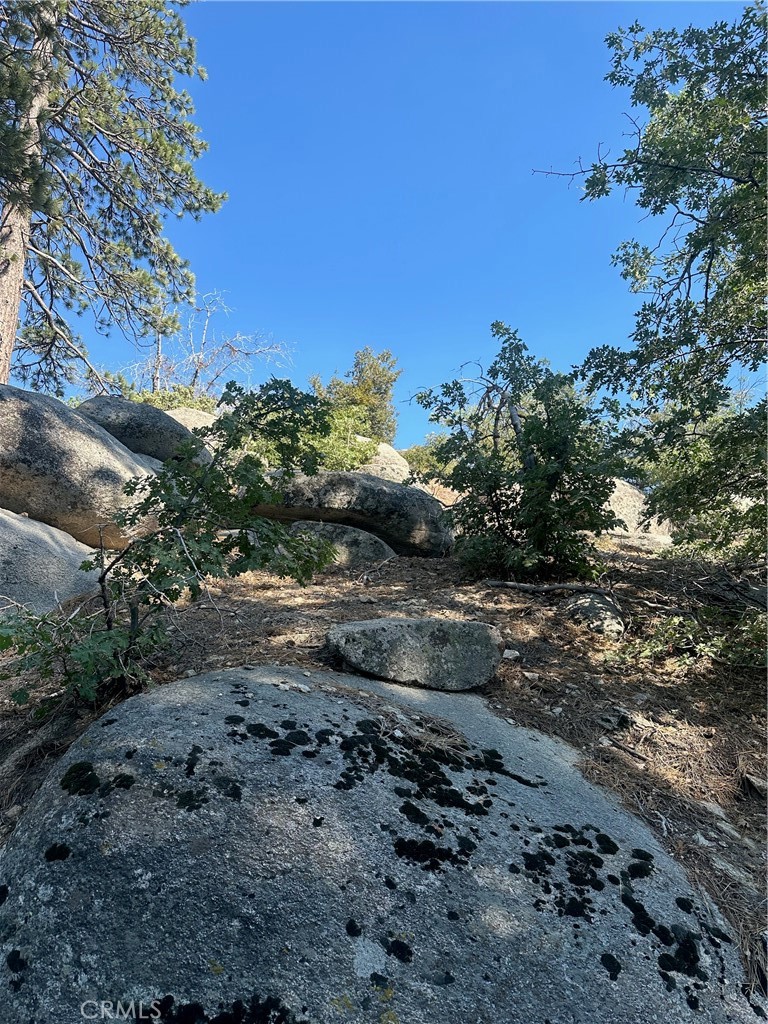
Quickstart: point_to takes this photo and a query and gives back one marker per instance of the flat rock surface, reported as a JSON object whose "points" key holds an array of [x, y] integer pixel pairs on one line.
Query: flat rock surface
{"points": [[284, 847], [39, 565], [436, 653]]}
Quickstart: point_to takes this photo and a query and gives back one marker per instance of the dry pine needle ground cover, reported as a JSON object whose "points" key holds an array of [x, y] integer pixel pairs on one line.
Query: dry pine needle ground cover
{"points": [[682, 746]]}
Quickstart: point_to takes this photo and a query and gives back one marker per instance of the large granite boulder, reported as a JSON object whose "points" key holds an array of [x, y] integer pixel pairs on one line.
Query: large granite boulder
{"points": [[628, 503], [192, 419], [353, 547], [140, 427], [386, 463], [63, 469], [406, 518], [272, 847], [441, 654], [39, 565]]}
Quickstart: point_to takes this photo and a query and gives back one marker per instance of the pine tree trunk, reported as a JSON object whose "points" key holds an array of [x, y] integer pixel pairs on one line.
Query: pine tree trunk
{"points": [[16, 215], [14, 233]]}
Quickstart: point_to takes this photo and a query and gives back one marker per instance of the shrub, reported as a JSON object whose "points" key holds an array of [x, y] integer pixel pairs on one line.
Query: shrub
{"points": [[202, 526], [532, 461]]}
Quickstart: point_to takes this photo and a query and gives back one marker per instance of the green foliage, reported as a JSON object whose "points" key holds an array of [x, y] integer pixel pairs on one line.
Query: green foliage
{"points": [[731, 639], [698, 160], [367, 389], [167, 398], [113, 159], [708, 482], [424, 459], [531, 460], [199, 511]]}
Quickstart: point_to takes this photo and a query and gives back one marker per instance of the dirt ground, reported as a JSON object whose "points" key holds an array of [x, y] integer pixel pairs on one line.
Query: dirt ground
{"points": [[682, 746]]}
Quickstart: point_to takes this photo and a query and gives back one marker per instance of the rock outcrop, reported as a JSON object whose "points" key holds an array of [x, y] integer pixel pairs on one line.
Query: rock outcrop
{"points": [[63, 469], [441, 654], [140, 427], [353, 547], [192, 419], [628, 503], [267, 847], [386, 463], [406, 518], [39, 565]]}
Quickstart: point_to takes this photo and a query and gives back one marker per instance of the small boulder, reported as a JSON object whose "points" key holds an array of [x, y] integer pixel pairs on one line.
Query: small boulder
{"points": [[63, 469], [140, 427], [353, 547], [39, 565], [406, 518], [597, 612], [439, 654]]}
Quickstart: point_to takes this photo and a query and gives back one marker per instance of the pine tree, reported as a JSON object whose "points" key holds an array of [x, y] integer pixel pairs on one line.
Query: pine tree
{"points": [[96, 149]]}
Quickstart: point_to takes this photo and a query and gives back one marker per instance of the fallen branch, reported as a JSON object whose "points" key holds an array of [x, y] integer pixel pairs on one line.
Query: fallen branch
{"points": [[627, 750], [543, 588]]}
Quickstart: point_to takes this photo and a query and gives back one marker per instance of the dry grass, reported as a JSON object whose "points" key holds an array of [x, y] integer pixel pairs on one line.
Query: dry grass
{"points": [[675, 743]]}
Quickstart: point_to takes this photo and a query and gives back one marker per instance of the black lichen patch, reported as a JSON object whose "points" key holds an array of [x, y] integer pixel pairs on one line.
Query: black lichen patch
{"points": [[353, 929], [684, 904], [191, 799], [582, 866], [611, 964], [57, 851], [669, 982], [228, 787], [664, 935], [639, 869], [3, 894], [427, 854], [16, 962], [80, 779], [260, 731], [234, 719], [281, 748], [641, 919], [256, 1010], [414, 813], [124, 780], [538, 862], [380, 981], [297, 737], [398, 949], [642, 855], [685, 959], [605, 844]]}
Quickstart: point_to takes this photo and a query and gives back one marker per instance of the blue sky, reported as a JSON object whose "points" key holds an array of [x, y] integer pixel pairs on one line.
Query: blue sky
{"points": [[378, 159]]}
